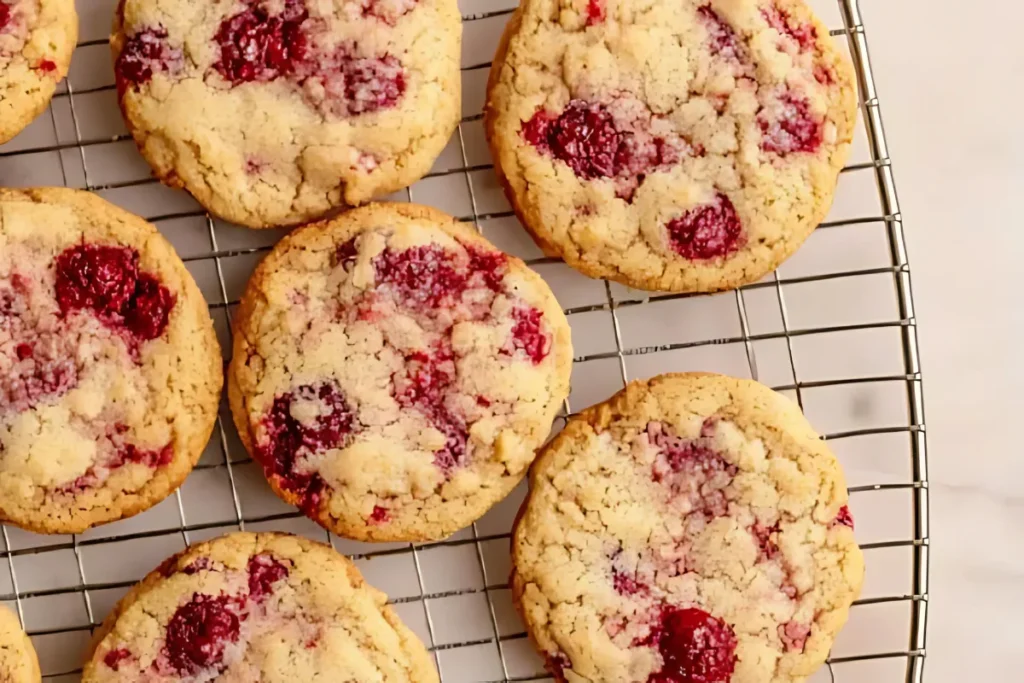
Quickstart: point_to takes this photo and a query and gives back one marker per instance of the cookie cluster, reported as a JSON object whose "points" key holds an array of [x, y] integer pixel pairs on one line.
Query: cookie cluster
{"points": [[394, 374]]}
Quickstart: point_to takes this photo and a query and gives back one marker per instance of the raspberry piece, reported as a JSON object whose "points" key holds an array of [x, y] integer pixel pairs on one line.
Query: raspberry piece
{"points": [[35, 373], [844, 518], [150, 458], [106, 280], [706, 232], [803, 34], [489, 266], [201, 564], [346, 253], [148, 310], [198, 633], [585, 137], [5, 15], [528, 336], [453, 454], [625, 584], [388, 11], [691, 469], [423, 275], [113, 658], [595, 12], [379, 515], [256, 46], [289, 438], [794, 635], [143, 54], [721, 36], [557, 663], [695, 647], [763, 536], [791, 127], [264, 572], [373, 83], [100, 278], [47, 66]]}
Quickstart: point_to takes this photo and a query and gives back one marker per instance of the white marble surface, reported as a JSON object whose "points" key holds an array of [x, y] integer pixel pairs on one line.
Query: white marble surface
{"points": [[949, 83]]}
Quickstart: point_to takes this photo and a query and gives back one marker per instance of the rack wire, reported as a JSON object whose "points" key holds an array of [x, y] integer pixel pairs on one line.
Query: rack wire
{"points": [[834, 328]]}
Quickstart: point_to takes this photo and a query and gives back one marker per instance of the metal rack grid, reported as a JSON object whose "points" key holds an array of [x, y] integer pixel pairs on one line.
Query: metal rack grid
{"points": [[834, 328]]}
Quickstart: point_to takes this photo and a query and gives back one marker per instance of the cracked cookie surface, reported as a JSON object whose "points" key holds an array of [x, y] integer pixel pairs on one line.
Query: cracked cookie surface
{"points": [[256, 607], [670, 145], [37, 38], [691, 528], [394, 373], [18, 662], [110, 371], [274, 112]]}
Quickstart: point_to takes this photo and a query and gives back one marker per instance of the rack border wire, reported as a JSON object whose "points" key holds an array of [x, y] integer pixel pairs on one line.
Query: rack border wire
{"points": [[905, 323]]}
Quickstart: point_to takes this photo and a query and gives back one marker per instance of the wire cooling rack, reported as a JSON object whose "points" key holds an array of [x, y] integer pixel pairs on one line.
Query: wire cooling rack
{"points": [[834, 328]]}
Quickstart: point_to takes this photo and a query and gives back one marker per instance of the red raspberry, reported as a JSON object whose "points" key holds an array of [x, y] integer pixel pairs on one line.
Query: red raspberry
{"points": [[256, 46], [421, 275], [5, 15], [804, 34], [288, 440], [695, 647], [706, 232], [379, 515], [113, 658], [595, 12], [198, 633], [528, 335], [844, 518], [144, 53], [793, 129], [585, 137], [106, 280], [264, 572], [721, 36]]}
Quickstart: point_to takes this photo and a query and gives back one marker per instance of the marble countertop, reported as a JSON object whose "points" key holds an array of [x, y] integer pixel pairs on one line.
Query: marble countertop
{"points": [[953, 122]]}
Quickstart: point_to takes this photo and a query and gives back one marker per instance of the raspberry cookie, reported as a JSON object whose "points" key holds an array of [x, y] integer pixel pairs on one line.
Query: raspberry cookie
{"points": [[256, 607], [393, 372], [691, 528], [37, 38], [110, 373], [18, 663], [684, 146], [273, 112]]}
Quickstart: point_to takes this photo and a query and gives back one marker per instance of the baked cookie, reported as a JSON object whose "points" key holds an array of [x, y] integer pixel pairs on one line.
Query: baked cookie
{"points": [[670, 145], [37, 38], [110, 373], [393, 372], [691, 528], [256, 607], [273, 112], [18, 663]]}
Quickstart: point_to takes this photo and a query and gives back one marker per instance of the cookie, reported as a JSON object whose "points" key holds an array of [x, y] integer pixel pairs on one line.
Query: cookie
{"points": [[394, 373], [110, 372], [670, 145], [37, 38], [256, 607], [691, 528], [274, 112], [18, 663]]}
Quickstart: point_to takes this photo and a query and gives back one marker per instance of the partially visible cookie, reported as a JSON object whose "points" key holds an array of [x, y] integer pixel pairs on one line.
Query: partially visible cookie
{"points": [[18, 663], [37, 38], [691, 528], [256, 607], [670, 145], [393, 372], [274, 112], [110, 371]]}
